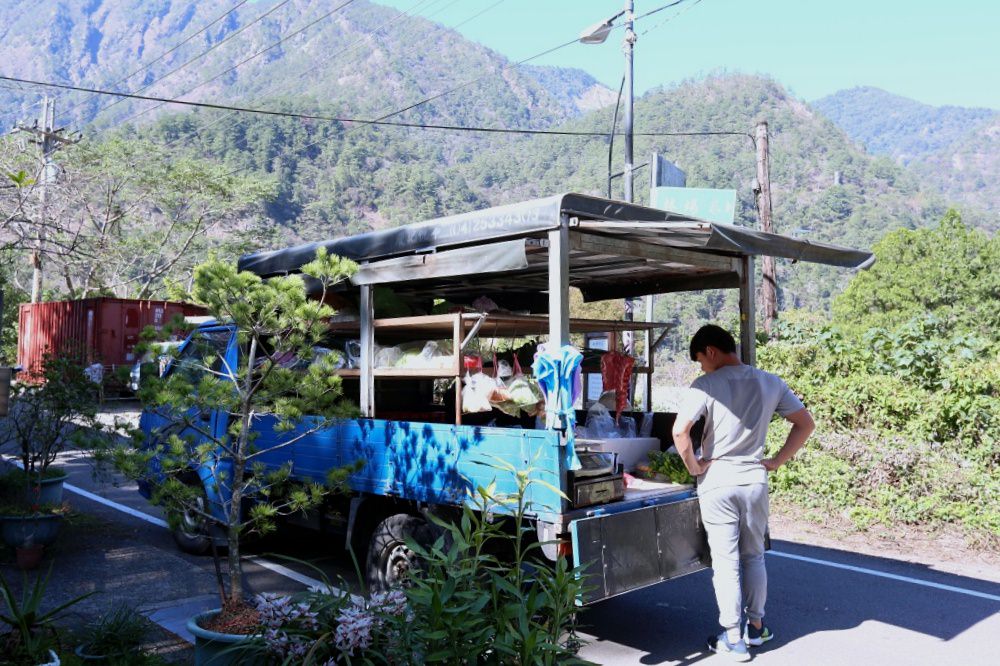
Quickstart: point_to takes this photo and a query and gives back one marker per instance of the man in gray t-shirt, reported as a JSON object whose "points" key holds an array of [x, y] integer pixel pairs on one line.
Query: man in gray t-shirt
{"points": [[738, 402]]}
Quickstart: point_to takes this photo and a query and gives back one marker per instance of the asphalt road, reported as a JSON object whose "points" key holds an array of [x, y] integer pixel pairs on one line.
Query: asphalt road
{"points": [[825, 606], [820, 614]]}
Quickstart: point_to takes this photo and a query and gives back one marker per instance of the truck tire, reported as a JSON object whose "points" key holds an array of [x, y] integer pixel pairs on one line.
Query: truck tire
{"points": [[390, 560], [191, 534]]}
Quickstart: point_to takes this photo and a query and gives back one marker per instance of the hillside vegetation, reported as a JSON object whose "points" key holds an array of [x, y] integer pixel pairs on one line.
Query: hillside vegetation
{"points": [[335, 179], [905, 383]]}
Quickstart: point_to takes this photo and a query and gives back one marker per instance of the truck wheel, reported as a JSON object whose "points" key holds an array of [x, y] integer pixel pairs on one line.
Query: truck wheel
{"points": [[191, 534], [390, 560]]}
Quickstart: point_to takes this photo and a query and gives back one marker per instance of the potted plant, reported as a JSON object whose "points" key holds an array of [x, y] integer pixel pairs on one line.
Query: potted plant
{"points": [[44, 419], [233, 494], [115, 637]]}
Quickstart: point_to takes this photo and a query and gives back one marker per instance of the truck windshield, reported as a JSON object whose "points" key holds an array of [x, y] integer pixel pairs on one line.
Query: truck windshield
{"points": [[204, 353]]}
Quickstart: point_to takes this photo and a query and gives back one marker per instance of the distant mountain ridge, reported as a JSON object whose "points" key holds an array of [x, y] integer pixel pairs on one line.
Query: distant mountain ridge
{"points": [[902, 128], [954, 149]]}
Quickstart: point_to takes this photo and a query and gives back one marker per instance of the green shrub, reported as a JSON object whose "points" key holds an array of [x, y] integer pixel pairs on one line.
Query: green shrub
{"points": [[479, 595]]}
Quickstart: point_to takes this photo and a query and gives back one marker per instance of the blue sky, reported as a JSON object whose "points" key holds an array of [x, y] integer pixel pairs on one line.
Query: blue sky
{"points": [[945, 52]]}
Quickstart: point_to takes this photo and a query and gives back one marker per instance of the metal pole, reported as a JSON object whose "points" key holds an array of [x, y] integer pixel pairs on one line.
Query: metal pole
{"points": [[628, 337], [628, 45]]}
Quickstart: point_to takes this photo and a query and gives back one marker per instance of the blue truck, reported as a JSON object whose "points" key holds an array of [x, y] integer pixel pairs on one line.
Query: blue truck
{"points": [[423, 454]]}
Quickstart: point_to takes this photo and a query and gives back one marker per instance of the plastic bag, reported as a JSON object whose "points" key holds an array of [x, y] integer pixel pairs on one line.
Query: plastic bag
{"points": [[502, 369], [386, 357], [646, 426], [429, 354], [525, 392], [500, 396], [476, 393], [626, 426], [616, 373], [600, 424]]}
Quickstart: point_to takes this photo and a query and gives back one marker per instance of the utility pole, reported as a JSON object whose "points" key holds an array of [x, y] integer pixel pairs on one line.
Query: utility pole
{"points": [[769, 283], [50, 139], [629, 48]]}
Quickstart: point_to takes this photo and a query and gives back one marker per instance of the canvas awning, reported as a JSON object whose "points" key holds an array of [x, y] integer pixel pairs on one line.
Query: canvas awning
{"points": [[616, 250]]}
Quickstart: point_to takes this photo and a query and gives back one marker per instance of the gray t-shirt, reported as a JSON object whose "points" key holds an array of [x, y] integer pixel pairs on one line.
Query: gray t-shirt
{"points": [[738, 402]]}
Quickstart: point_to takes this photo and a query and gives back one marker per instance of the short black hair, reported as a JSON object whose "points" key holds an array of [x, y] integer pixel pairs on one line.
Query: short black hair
{"points": [[711, 335]]}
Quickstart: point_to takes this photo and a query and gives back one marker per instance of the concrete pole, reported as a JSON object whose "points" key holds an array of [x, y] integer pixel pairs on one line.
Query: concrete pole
{"points": [[48, 121]]}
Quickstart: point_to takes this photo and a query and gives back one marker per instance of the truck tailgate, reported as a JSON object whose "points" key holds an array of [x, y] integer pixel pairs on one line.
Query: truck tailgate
{"points": [[628, 550]]}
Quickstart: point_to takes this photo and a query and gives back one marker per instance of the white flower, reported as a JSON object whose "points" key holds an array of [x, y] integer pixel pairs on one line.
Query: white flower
{"points": [[354, 629]]}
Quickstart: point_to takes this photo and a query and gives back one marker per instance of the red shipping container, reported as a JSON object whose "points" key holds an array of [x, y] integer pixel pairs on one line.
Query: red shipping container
{"points": [[103, 330]]}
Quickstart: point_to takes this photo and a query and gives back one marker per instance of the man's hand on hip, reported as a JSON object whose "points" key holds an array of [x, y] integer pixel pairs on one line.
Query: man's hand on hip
{"points": [[770, 464]]}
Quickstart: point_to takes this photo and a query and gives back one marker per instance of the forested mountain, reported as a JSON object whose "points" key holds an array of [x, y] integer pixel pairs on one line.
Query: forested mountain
{"points": [[362, 58], [902, 128]]}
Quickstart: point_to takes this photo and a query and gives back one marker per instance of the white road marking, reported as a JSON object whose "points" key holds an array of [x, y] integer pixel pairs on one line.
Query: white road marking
{"points": [[883, 574], [115, 505]]}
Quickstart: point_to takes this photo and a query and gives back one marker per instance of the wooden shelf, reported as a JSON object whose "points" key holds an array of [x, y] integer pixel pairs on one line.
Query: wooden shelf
{"points": [[493, 325]]}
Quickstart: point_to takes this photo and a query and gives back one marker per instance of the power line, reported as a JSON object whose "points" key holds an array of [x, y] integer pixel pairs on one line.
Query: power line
{"points": [[671, 17], [476, 15], [358, 121], [659, 9], [165, 53], [512, 65], [202, 54], [249, 58]]}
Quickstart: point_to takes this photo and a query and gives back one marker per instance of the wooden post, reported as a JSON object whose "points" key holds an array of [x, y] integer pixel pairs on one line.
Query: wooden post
{"points": [[748, 349], [457, 334], [769, 283]]}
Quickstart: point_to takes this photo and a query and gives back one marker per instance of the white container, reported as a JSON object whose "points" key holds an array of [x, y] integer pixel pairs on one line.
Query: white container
{"points": [[631, 451]]}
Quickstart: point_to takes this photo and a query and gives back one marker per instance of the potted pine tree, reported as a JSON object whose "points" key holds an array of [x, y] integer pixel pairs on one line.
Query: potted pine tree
{"points": [[234, 494]]}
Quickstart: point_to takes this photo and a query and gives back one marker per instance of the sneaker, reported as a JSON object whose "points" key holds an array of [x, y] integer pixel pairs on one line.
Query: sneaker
{"points": [[756, 637], [736, 651]]}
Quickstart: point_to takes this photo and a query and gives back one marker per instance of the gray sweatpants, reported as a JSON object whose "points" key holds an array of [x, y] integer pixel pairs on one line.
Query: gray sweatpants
{"points": [[735, 519]]}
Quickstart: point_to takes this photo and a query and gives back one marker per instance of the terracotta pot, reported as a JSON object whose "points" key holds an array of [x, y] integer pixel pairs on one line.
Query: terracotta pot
{"points": [[29, 557]]}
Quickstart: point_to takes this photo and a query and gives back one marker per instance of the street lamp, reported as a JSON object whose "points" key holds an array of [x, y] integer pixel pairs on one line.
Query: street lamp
{"points": [[598, 34]]}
